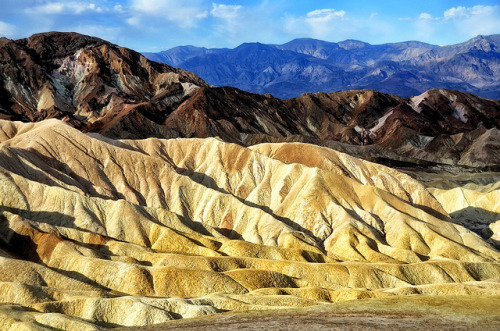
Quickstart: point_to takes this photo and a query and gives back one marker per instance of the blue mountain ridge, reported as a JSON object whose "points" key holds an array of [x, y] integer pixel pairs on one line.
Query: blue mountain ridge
{"points": [[310, 65]]}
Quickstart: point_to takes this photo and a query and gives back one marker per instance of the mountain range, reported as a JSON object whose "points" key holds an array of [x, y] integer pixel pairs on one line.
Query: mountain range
{"points": [[99, 87], [133, 193], [308, 65]]}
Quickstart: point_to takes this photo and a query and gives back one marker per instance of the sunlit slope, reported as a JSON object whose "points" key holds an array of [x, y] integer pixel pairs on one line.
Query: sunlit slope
{"points": [[98, 233]]}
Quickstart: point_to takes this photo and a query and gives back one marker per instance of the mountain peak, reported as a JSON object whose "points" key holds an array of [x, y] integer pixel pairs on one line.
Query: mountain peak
{"points": [[59, 36], [60, 44], [251, 44], [307, 41], [352, 44]]}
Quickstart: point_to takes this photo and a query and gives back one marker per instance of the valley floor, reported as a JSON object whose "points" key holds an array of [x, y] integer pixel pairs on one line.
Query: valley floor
{"points": [[398, 313]]}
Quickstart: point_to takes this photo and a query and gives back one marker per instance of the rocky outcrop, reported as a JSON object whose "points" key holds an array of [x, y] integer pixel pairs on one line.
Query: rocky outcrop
{"points": [[84, 79], [439, 126]]}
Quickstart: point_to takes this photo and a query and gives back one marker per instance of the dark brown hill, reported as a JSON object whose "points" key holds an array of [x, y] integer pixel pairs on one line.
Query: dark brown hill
{"points": [[82, 79], [100, 87]]}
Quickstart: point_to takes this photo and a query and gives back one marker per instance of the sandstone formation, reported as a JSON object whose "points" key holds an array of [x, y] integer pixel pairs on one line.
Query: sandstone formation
{"points": [[99, 233]]}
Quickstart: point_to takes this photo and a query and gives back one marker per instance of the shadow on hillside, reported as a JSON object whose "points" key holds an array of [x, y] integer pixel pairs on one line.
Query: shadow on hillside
{"points": [[229, 233], [477, 220], [82, 278], [17, 240], [103, 252], [432, 212], [33, 165], [209, 182], [476, 214], [49, 217]]}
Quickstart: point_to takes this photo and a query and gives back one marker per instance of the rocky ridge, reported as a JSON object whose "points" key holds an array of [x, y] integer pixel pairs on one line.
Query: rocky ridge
{"points": [[81, 79]]}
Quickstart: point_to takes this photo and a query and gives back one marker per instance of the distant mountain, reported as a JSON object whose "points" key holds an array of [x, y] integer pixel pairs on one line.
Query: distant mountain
{"points": [[179, 54], [310, 65]]}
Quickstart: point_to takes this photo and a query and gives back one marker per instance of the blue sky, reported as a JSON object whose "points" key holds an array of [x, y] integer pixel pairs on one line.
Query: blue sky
{"points": [[153, 25]]}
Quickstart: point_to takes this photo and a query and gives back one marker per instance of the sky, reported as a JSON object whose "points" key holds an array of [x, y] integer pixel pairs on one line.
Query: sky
{"points": [[155, 25]]}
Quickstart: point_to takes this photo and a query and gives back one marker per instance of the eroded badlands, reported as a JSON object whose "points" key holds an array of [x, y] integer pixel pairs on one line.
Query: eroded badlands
{"points": [[98, 233]]}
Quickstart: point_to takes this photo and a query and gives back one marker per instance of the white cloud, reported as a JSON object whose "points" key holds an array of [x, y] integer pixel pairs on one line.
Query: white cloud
{"points": [[118, 9], [319, 23], [185, 13], [425, 16], [225, 11], [455, 12], [472, 21], [461, 12], [464, 13], [6, 30], [457, 23], [325, 14], [424, 26], [68, 7]]}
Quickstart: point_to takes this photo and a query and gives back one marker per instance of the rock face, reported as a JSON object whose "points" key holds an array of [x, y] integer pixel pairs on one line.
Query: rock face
{"points": [[258, 203], [309, 65]]}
